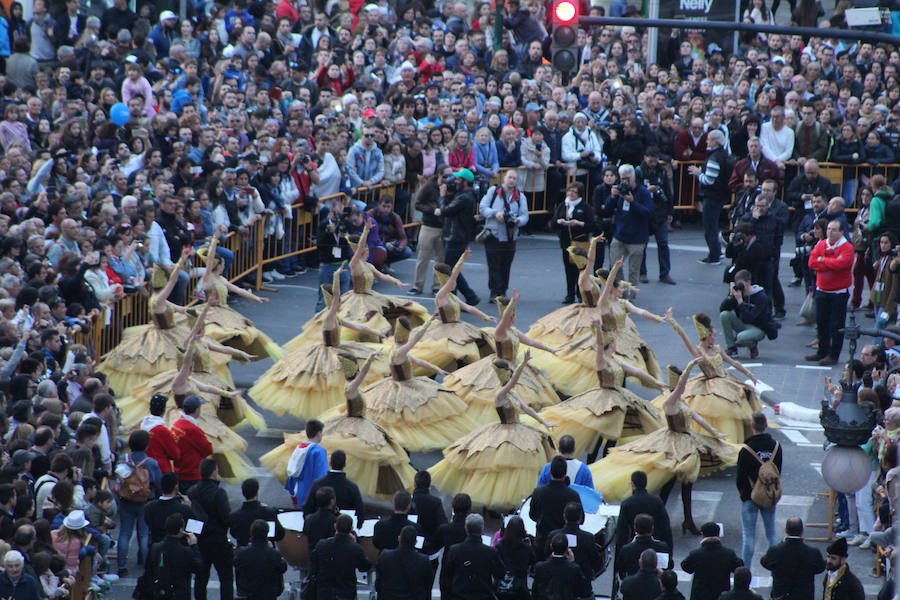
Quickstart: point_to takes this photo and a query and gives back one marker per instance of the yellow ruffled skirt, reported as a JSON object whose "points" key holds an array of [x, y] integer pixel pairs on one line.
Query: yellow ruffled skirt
{"points": [[564, 324], [662, 455], [309, 381], [375, 462], [371, 309], [477, 385], [420, 414], [453, 345], [148, 351], [726, 404], [611, 414], [497, 464], [231, 412], [228, 326]]}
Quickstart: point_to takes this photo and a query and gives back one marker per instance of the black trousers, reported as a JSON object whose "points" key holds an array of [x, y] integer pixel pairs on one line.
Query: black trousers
{"points": [[499, 262], [219, 554], [452, 252], [831, 311], [571, 277]]}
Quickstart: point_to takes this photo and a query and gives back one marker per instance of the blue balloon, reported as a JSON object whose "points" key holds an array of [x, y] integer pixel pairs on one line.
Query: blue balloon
{"points": [[119, 113]]}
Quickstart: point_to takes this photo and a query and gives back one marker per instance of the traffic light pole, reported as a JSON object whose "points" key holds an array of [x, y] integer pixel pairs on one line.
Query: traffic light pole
{"points": [[863, 36]]}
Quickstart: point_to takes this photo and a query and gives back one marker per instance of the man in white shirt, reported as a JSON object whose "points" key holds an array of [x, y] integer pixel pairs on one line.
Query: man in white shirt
{"points": [[777, 139]]}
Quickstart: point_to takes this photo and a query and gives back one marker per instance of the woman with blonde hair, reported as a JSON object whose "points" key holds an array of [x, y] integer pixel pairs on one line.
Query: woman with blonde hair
{"points": [[461, 155]]}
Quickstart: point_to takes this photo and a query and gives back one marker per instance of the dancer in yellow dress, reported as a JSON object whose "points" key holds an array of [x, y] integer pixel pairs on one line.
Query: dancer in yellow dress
{"points": [[726, 403], [363, 305], [228, 446], [452, 343], [231, 407], [375, 462], [607, 412], [151, 349], [310, 380], [418, 412], [225, 324], [674, 453], [496, 463], [477, 383]]}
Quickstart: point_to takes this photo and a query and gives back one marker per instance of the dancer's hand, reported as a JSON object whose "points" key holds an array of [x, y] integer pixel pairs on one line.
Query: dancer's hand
{"points": [[443, 372], [262, 299], [386, 331], [467, 253], [621, 262], [668, 314], [548, 425], [527, 356], [489, 319], [516, 295], [721, 436], [236, 393]]}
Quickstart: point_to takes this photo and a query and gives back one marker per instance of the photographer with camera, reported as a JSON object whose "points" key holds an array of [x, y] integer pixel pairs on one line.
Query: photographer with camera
{"points": [[746, 315], [654, 177], [713, 191], [633, 207], [504, 209], [333, 248], [805, 238], [745, 252], [457, 209]]}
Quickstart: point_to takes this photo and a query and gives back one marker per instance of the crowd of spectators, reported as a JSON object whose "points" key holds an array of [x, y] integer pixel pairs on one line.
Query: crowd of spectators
{"points": [[128, 135]]}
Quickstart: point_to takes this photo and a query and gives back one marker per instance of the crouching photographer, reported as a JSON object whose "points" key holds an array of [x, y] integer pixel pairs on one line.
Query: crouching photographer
{"points": [[746, 315]]}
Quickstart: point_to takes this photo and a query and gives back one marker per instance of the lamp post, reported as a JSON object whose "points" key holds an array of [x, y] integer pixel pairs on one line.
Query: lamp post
{"points": [[845, 466]]}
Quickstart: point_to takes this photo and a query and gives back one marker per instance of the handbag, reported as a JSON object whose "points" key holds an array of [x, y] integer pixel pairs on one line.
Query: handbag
{"points": [[808, 308]]}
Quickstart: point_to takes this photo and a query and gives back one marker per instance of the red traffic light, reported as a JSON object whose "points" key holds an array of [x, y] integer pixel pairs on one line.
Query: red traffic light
{"points": [[565, 11]]}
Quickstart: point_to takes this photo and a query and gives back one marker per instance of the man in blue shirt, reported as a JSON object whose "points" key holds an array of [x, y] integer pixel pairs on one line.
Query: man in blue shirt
{"points": [[577, 472], [633, 208], [308, 463]]}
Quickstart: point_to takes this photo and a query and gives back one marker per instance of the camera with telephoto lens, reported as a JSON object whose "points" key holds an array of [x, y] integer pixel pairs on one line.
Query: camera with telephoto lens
{"points": [[894, 252], [739, 286], [624, 189], [344, 223], [738, 238], [451, 185]]}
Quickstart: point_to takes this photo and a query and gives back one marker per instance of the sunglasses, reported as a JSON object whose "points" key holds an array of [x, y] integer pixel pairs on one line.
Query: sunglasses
{"points": [[368, 135]]}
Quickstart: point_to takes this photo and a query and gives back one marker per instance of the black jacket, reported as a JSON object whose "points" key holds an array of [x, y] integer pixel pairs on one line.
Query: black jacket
{"points": [[448, 535], [459, 217], [259, 571], [627, 557], [582, 212], [210, 502], [766, 229], [427, 199], [756, 310], [639, 502], [748, 467], [326, 242], [712, 565], [388, 529], [346, 494], [472, 570], [333, 565], [587, 553], [518, 559], [319, 526], [750, 256], [559, 579], [177, 234], [794, 566], [740, 595], [848, 587], [243, 518], [547, 505], [643, 585], [403, 574], [800, 185], [662, 198], [430, 511], [171, 563], [157, 511]]}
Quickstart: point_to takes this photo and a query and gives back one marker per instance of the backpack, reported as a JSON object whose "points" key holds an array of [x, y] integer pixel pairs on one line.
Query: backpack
{"points": [[136, 486], [766, 490]]}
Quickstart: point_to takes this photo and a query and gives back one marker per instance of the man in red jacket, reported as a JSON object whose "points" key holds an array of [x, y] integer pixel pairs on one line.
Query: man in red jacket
{"points": [[163, 447], [192, 444], [832, 260]]}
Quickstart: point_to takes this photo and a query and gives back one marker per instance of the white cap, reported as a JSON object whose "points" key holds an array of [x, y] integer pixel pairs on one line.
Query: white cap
{"points": [[166, 15]]}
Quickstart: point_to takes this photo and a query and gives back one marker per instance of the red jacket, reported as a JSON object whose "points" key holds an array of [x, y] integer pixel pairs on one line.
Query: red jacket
{"points": [[685, 148], [193, 447], [834, 272], [163, 448]]}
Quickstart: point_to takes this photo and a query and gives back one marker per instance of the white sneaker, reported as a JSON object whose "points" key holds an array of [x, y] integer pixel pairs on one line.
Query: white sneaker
{"points": [[866, 544], [845, 534], [859, 539], [267, 277], [110, 577], [278, 276]]}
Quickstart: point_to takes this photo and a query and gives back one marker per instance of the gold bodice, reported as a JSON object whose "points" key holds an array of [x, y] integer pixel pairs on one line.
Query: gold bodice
{"points": [[356, 405], [402, 371], [216, 288], [508, 348], [508, 413], [165, 319], [678, 422], [362, 282], [712, 365], [449, 313], [614, 318], [332, 337], [612, 375], [590, 297]]}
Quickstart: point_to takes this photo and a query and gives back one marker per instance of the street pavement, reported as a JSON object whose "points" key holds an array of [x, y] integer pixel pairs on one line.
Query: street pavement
{"points": [[538, 275]]}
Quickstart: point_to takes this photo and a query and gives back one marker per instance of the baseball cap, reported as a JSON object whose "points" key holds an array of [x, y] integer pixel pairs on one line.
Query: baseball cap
{"points": [[167, 15], [532, 106], [465, 174], [369, 112], [22, 456], [192, 403]]}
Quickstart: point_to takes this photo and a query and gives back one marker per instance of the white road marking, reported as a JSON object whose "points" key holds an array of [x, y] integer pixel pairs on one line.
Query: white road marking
{"points": [[795, 436], [315, 289], [803, 501], [706, 496], [813, 367], [817, 467]]}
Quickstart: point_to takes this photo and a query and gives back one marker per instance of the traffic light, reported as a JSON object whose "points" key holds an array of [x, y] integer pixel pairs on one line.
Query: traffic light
{"points": [[565, 38]]}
